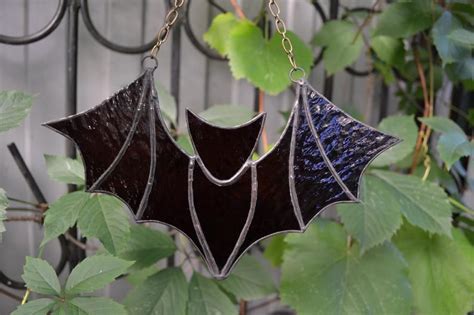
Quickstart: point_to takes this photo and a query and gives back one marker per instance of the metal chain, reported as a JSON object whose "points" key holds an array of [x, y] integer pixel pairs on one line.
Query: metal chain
{"points": [[285, 41], [170, 21]]}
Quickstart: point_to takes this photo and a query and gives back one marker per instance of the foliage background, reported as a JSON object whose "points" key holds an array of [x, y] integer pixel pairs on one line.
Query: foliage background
{"points": [[355, 264]]}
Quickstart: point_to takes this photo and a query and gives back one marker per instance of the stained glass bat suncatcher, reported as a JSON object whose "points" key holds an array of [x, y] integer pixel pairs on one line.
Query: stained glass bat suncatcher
{"points": [[220, 198]]}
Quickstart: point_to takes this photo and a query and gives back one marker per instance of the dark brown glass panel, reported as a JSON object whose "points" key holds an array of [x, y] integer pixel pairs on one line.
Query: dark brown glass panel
{"points": [[223, 150]]}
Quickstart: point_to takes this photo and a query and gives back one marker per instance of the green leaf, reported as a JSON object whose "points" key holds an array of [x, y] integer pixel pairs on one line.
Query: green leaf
{"points": [[249, 280], [263, 62], [441, 271], [14, 107], [462, 37], [167, 103], [453, 143], [205, 298], [63, 214], [227, 115], [343, 44], [274, 250], [389, 49], [461, 70], [164, 293], [104, 217], [36, 307], [138, 277], [184, 142], [374, 220], [217, 36], [322, 275], [40, 277], [403, 19], [65, 170], [448, 50], [3, 212], [423, 203], [98, 305], [406, 129], [94, 273], [146, 246]]}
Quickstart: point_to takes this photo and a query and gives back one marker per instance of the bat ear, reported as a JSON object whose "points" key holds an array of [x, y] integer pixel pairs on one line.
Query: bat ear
{"points": [[224, 151]]}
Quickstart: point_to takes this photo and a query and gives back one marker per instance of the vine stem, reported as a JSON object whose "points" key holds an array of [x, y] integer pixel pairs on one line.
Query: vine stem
{"points": [[423, 132], [243, 307], [460, 206], [365, 23], [238, 9]]}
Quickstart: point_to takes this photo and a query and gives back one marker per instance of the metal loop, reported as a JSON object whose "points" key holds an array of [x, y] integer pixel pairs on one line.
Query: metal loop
{"points": [[153, 59], [287, 45], [171, 17], [274, 8], [280, 26], [294, 71]]}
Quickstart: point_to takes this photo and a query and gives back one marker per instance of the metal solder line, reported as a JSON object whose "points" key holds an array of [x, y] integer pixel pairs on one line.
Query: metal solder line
{"points": [[321, 148], [126, 144], [248, 222], [151, 173], [291, 162], [197, 225]]}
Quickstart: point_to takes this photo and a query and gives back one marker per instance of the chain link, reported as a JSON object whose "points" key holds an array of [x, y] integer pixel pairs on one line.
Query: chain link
{"points": [[170, 21], [285, 41]]}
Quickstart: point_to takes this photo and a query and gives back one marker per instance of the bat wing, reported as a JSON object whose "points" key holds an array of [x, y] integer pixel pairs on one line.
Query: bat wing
{"points": [[318, 161], [128, 152]]}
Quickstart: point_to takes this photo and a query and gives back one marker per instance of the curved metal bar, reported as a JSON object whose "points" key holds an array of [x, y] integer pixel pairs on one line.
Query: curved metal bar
{"points": [[320, 10], [45, 31], [195, 41], [19, 285], [107, 43], [217, 6], [359, 73]]}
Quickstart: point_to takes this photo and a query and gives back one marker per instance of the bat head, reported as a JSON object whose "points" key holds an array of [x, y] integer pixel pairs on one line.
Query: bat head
{"points": [[224, 151]]}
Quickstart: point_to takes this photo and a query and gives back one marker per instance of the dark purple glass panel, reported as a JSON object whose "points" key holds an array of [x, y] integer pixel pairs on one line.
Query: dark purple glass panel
{"points": [[223, 150], [274, 211], [349, 144], [222, 212], [99, 134], [316, 187]]}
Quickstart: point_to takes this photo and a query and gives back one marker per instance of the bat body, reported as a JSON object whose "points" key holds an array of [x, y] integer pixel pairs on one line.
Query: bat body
{"points": [[220, 198]]}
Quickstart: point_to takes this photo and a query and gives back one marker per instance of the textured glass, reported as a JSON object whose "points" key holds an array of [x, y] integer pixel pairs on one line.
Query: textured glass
{"points": [[219, 198]]}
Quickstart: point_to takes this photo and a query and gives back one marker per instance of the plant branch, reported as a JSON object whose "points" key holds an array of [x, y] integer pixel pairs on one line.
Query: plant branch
{"points": [[460, 206], [79, 244], [243, 307], [366, 22], [22, 209], [423, 131], [238, 9], [30, 218]]}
